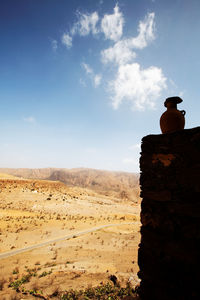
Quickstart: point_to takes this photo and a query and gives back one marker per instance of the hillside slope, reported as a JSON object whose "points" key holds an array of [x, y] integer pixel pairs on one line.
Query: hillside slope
{"points": [[118, 184]]}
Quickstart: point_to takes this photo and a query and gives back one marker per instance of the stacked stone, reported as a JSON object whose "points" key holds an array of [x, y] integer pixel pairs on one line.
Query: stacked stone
{"points": [[169, 252]]}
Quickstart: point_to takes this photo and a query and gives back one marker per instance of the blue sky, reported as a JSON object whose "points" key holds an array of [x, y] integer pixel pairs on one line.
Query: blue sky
{"points": [[81, 82]]}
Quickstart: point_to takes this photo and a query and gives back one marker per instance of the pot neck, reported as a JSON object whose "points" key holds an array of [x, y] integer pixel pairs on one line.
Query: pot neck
{"points": [[171, 105]]}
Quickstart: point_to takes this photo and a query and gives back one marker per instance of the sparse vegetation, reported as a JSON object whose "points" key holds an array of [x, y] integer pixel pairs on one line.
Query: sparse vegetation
{"points": [[17, 283], [44, 274], [30, 219], [102, 292]]}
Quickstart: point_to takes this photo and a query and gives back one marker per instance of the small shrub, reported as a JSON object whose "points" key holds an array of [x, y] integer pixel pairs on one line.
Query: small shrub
{"points": [[16, 270], [44, 274], [17, 283]]}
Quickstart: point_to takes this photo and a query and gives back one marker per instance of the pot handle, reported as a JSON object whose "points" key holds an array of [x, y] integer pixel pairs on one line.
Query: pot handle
{"points": [[183, 112]]}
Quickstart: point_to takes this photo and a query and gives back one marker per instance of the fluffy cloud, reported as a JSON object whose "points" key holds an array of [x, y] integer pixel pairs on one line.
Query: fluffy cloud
{"points": [[86, 24], [122, 51], [112, 25], [146, 32], [139, 87], [67, 40]]}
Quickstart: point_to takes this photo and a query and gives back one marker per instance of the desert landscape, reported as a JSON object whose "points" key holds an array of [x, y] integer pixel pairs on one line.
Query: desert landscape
{"points": [[66, 229]]}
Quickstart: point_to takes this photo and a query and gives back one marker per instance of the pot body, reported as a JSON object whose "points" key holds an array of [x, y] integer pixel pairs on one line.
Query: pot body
{"points": [[172, 120]]}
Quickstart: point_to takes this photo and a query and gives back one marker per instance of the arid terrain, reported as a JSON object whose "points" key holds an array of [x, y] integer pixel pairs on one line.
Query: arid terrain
{"points": [[81, 232]]}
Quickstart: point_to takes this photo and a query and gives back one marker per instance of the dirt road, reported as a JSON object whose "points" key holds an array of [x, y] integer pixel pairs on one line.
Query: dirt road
{"points": [[66, 237]]}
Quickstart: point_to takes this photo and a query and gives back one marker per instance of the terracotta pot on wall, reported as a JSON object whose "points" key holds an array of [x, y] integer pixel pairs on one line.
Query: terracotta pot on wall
{"points": [[172, 119]]}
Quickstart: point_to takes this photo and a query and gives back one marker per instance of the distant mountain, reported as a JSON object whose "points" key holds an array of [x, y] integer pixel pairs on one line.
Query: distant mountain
{"points": [[7, 176], [118, 184], [29, 173]]}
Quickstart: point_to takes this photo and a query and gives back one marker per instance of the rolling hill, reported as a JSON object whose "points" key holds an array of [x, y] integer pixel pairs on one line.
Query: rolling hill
{"points": [[117, 184]]}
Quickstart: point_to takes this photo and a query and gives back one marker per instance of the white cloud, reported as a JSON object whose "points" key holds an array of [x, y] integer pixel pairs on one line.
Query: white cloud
{"points": [[139, 87], [86, 24], [54, 45], [122, 51], [112, 25], [67, 40], [30, 119], [97, 80], [146, 32]]}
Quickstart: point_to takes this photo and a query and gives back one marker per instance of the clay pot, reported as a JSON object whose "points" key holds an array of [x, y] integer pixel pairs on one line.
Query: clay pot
{"points": [[172, 119]]}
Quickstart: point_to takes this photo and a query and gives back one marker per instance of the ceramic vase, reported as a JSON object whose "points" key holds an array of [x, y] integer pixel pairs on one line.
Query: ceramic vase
{"points": [[172, 119]]}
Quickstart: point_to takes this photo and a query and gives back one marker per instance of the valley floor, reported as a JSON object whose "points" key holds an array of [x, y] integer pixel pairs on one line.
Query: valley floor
{"points": [[34, 212]]}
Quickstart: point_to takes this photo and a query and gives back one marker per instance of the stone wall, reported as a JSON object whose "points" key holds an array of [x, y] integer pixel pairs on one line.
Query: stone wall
{"points": [[169, 252]]}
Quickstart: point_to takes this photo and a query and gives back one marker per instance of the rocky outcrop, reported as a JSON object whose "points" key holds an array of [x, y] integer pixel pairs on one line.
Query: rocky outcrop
{"points": [[169, 252]]}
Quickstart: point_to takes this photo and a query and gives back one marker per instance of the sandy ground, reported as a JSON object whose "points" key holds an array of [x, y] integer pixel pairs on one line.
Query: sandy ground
{"points": [[32, 212]]}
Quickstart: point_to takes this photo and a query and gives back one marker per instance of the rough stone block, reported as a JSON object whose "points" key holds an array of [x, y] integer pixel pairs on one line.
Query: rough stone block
{"points": [[169, 252]]}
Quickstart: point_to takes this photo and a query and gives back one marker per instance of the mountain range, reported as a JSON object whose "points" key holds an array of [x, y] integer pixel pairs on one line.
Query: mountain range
{"points": [[122, 185]]}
